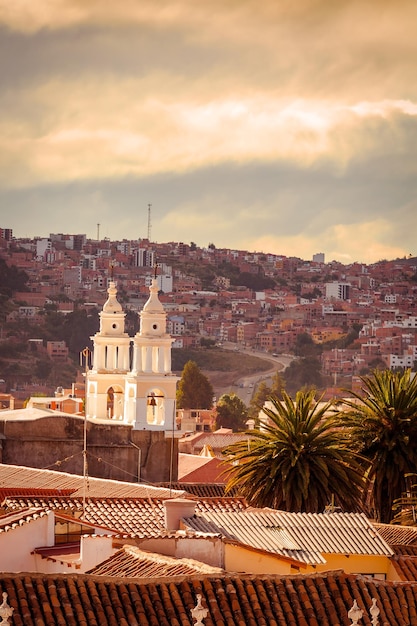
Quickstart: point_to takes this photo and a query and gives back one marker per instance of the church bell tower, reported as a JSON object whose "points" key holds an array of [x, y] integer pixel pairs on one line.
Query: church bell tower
{"points": [[111, 362], [150, 389]]}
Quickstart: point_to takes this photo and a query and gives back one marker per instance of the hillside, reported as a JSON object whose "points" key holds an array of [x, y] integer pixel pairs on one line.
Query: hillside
{"points": [[222, 367]]}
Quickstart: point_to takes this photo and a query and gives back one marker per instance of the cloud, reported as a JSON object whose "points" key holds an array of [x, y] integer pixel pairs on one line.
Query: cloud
{"points": [[282, 123]]}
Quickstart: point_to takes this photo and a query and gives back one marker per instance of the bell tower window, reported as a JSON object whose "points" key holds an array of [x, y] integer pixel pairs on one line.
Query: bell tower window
{"points": [[155, 407]]}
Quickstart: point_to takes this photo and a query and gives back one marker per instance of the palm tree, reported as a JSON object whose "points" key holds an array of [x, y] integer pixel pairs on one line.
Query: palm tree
{"points": [[299, 460], [384, 420]]}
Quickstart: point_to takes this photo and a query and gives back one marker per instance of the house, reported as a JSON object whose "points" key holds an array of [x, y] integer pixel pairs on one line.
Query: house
{"points": [[200, 468], [216, 441], [37, 539], [270, 541], [219, 531]]}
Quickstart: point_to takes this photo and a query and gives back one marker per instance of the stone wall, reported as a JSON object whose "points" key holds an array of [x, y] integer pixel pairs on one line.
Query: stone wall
{"points": [[114, 450]]}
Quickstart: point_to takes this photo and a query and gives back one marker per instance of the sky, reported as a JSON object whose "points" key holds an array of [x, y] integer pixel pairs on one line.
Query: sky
{"points": [[279, 126]]}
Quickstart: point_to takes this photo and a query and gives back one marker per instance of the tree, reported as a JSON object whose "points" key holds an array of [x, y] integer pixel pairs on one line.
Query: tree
{"points": [[304, 372], [384, 420], [12, 279], [298, 460], [231, 412], [261, 395], [264, 392], [305, 346], [194, 391], [43, 369]]}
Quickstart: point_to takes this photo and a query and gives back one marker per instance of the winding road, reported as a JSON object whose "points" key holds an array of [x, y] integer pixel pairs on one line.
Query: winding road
{"points": [[245, 386]]}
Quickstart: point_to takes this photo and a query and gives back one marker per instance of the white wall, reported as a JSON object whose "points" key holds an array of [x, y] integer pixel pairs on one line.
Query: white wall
{"points": [[17, 545]]}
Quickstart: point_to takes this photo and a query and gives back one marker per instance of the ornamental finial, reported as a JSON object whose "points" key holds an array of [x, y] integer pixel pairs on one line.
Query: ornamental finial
{"points": [[6, 611], [355, 613], [199, 612]]}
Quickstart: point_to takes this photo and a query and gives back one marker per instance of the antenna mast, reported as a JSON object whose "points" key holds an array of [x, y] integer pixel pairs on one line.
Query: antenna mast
{"points": [[149, 222], [98, 232]]}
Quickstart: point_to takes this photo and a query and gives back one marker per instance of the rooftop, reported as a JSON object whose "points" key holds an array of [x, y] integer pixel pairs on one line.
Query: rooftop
{"points": [[29, 478], [318, 599], [301, 536], [141, 517], [130, 561]]}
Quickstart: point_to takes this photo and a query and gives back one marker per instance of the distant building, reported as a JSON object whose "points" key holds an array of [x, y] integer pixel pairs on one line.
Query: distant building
{"points": [[338, 291], [144, 258], [57, 350], [6, 233], [318, 257]]}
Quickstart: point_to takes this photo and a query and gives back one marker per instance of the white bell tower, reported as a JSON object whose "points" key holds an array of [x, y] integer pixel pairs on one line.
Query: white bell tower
{"points": [[111, 362], [150, 390]]}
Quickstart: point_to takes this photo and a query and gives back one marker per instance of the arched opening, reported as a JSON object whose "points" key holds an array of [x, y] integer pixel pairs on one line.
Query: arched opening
{"points": [[155, 407], [115, 401]]}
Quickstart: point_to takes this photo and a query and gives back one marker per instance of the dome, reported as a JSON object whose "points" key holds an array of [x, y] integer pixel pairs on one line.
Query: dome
{"points": [[112, 305], [153, 304]]}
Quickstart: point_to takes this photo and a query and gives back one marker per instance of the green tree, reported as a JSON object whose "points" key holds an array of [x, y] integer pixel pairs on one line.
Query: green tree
{"points": [[298, 460], [43, 368], [256, 282], [231, 412], [264, 392], [194, 391], [305, 346], [261, 395], [277, 385], [304, 372], [12, 279], [384, 419]]}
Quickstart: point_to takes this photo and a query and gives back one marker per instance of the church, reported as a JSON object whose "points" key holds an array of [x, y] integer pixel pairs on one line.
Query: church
{"points": [[129, 428], [135, 387]]}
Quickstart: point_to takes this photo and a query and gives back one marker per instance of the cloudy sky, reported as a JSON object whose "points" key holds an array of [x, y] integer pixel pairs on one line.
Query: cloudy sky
{"points": [[269, 125]]}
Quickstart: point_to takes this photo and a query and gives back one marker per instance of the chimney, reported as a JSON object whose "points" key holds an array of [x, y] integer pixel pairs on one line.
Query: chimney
{"points": [[175, 510]]}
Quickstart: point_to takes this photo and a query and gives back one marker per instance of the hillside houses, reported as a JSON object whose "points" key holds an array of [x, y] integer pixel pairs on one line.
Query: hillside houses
{"points": [[259, 300]]}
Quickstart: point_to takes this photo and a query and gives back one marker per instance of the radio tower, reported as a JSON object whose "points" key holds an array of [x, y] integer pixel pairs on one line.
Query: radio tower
{"points": [[149, 222]]}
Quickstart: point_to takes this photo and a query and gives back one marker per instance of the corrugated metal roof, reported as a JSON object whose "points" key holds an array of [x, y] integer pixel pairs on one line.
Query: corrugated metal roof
{"points": [[302, 536]]}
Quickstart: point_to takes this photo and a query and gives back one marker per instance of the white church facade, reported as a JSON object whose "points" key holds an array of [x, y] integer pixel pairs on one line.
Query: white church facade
{"points": [[130, 380]]}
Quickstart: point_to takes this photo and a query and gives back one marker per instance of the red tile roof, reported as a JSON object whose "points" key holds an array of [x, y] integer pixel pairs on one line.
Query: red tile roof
{"points": [[130, 561], [208, 490], [142, 517], [404, 550], [17, 519], [24, 491], [198, 469], [313, 600], [65, 554], [405, 566], [398, 535], [18, 476]]}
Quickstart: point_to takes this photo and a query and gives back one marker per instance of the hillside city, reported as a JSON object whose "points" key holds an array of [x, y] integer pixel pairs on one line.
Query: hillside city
{"points": [[187, 517], [340, 321]]}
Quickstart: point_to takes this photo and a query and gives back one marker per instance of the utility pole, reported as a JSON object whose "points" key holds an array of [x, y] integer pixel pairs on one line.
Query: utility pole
{"points": [[85, 356]]}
